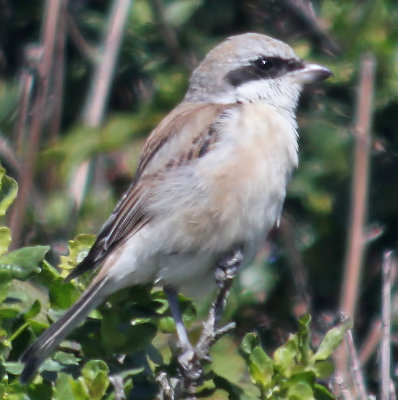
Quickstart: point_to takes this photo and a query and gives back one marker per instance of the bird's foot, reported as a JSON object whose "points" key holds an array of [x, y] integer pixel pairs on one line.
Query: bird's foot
{"points": [[191, 366], [228, 266]]}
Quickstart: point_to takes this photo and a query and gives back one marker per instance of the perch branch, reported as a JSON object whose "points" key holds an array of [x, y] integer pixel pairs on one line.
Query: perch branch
{"points": [[385, 356]]}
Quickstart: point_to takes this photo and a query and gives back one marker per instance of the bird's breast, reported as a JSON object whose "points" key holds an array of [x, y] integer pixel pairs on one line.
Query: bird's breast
{"points": [[246, 175]]}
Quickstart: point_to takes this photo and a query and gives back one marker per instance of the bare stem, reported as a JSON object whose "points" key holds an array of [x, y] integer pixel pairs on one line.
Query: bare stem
{"points": [[385, 357], [45, 65], [361, 133], [356, 370], [356, 233], [371, 342], [100, 85]]}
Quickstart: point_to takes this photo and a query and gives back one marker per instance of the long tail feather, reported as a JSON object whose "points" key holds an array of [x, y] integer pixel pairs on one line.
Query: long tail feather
{"points": [[49, 339]]}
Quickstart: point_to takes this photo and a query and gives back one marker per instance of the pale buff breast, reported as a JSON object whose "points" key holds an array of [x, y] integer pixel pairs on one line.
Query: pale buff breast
{"points": [[244, 178]]}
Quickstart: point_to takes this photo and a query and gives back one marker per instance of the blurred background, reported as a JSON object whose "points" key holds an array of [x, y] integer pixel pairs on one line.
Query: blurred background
{"points": [[83, 82]]}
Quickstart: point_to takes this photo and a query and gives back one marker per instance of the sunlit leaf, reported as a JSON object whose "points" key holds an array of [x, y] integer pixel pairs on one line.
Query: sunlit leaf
{"points": [[249, 342], [261, 367], [78, 249], [21, 263], [95, 376], [8, 191], [331, 341], [5, 239], [300, 391]]}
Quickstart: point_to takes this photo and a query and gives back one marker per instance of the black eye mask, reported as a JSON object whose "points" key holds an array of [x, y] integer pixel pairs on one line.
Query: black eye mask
{"points": [[263, 68]]}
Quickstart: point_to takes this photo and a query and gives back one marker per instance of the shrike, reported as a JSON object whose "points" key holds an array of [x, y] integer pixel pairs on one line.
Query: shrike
{"points": [[211, 178]]}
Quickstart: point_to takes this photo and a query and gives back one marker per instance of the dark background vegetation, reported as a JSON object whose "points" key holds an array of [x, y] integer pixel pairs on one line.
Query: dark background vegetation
{"points": [[302, 268]]}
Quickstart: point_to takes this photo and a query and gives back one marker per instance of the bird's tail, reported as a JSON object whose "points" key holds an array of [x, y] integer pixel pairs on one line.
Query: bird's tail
{"points": [[49, 339]]}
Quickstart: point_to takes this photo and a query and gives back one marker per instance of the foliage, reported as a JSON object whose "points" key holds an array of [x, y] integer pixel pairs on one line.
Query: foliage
{"points": [[294, 369]]}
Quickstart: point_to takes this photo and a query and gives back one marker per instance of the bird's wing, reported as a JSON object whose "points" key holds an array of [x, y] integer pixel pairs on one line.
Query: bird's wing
{"points": [[186, 134]]}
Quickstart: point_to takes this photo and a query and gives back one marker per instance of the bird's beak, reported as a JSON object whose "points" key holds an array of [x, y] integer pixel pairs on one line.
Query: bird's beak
{"points": [[311, 73]]}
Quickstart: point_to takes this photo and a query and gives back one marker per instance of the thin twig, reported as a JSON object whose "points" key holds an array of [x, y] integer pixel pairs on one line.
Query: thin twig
{"points": [[100, 85], [117, 382], [55, 101], [355, 251], [385, 356], [303, 10], [51, 19], [371, 342], [355, 238], [356, 370], [81, 44], [341, 389]]}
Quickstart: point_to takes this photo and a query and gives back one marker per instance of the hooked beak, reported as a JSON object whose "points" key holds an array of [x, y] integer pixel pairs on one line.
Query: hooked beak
{"points": [[311, 73]]}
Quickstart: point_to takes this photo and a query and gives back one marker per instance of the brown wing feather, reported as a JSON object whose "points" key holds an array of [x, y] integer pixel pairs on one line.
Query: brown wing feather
{"points": [[191, 128]]}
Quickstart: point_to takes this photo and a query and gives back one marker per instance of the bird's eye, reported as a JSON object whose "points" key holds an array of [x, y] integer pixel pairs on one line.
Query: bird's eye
{"points": [[264, 64]]}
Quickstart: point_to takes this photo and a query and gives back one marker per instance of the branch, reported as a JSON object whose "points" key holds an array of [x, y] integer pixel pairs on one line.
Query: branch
{"points": [[359, 189], [356, 370], [371, 342], [188, 380], [101, 82], [385, 356], [356, 233], [44, 68], [81, 44]]}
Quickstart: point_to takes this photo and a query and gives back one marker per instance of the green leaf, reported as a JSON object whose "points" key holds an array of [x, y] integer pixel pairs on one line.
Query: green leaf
{"points": [[331, 341], [34, 310], [4, 286], [260, 367], [95, 376], [323, 369], [14, 368], [300, 391], [66, 358], [62, 294], [67, 388], [322, 393], [21, 263], [5, 239], [122, 336], [78, 249], [303, 335], [8, 191], [286, 355], [14, 391], [249, 342]]}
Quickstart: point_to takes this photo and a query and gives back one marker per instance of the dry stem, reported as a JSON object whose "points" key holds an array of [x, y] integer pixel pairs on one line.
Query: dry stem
{"points": [[385, 356]]}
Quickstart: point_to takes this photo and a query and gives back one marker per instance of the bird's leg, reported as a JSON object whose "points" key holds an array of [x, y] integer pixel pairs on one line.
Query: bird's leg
{"points": [[225, 272], [190, 365], [191, 357]]}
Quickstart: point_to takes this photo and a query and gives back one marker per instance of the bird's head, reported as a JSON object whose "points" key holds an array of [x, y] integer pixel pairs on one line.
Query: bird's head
{"points": [[253, 67]]}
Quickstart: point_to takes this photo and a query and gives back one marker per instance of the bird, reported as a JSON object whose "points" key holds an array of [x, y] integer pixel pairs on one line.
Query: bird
{"points": [[211, 179]]}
